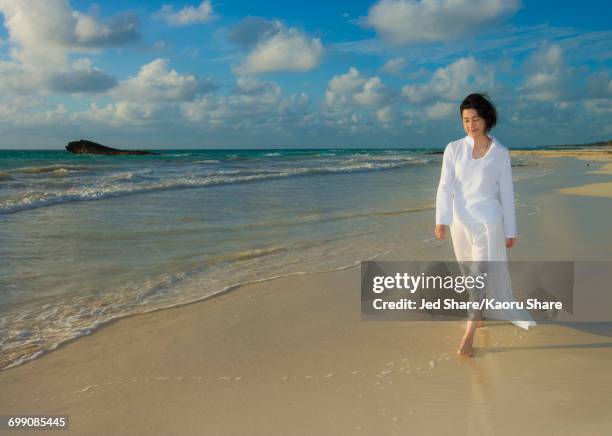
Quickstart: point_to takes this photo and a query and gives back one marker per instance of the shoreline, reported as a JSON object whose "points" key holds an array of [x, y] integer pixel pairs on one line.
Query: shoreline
{"points": [[120, 317], [601, 156]]}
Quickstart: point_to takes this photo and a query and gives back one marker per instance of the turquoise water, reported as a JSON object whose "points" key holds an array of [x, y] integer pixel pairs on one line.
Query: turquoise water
{"points": [[86, 239]]}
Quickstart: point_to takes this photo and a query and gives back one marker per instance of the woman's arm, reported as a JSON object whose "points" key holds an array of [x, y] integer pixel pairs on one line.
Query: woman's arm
{"points": [[506, 194], [444, 196]]}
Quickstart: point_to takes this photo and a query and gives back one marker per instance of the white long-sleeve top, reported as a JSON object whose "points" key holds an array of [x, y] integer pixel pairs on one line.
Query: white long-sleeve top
{"points": [[476, 190]]}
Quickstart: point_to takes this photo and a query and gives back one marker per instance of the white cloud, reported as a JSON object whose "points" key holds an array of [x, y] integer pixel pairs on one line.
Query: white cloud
{"points": [[353, 88], [385, 115], [408, 21], [356, 102], [550, 57], [156, 82], [550, 79], [440, 110], [342, 85], [253, 30], [251, 87], [543, 86], [119, 30], [373, 93], [186, 16], [254, 96], [394, 66], [252, 105], [17, 81], [285, 50], [81, 77], [42, 35], [42, 32], [125, 113], [20, 108], [452, 82]]}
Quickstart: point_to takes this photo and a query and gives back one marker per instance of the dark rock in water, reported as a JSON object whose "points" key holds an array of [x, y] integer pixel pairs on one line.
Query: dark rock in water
{"points": [[88, 147], [436, 152]]}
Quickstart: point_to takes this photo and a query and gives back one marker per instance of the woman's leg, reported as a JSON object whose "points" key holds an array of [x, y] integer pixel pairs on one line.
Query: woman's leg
{"points": [[462, 241], [467, 244], [466, 345], [500, 284]]}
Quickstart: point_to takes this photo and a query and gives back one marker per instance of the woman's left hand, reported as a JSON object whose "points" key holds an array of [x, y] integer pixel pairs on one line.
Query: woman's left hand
{"points": [[510, 242]]}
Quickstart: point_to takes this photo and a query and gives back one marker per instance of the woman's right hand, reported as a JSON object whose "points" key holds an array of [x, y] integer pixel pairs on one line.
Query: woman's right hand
{"points": [[440, 231]]}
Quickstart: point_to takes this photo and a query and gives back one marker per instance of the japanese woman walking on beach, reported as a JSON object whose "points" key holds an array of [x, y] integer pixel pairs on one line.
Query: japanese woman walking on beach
{"points": [[475, 197]]}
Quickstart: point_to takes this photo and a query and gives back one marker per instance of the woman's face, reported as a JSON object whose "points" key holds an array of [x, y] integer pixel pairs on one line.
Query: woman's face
{"points": [[473, 124]]}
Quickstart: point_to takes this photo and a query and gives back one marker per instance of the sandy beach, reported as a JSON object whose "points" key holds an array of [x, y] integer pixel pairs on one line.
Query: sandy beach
{"points": [[292, 356], [594, 155]]}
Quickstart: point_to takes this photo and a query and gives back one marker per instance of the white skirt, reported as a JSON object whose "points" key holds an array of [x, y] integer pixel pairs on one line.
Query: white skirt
{"points": [[485, 241]]}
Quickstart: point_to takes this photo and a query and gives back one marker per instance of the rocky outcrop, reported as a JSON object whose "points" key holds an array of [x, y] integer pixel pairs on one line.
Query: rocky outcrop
{"points": [[89, 147]]}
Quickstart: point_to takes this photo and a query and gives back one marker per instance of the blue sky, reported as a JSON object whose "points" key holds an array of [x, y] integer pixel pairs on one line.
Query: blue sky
{"points": [[387, 73]]}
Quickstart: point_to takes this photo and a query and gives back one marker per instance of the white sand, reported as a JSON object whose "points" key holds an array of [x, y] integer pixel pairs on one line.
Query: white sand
{"points": [[600, 156]]}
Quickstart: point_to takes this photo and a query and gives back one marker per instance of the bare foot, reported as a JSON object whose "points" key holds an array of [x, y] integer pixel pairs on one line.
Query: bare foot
{"points": [[480, 323], [465, 346]]}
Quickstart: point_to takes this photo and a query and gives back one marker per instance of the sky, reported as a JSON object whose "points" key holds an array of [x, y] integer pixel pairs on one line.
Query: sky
{"points": [[277, 74]]}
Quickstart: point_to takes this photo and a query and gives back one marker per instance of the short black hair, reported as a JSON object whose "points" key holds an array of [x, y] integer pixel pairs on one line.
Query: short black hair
{"points": [[483, 106]]}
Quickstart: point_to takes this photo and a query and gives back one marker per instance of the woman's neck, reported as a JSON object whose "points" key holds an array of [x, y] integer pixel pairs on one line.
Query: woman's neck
{"points": [[481, 141]]}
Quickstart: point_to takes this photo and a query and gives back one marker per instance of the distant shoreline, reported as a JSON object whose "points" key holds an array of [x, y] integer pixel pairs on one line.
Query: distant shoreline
{"points": [[425, 149]]}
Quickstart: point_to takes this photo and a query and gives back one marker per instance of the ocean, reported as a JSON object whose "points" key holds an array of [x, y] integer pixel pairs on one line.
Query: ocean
{"points": [[86, 239]]}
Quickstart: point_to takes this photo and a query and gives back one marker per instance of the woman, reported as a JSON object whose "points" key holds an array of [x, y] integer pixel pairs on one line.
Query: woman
{"points": [[476, 199]]}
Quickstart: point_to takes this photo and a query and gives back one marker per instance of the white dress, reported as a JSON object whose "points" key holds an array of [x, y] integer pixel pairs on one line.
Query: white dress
{"points": [[475, 198]]}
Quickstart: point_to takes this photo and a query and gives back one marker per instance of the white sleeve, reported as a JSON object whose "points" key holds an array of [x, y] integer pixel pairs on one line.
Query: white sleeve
{"points": [[506, 194], [446, 188]]}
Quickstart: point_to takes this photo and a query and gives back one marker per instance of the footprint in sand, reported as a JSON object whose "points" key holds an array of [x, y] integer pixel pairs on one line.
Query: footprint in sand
{"points": [[91, 389]]}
